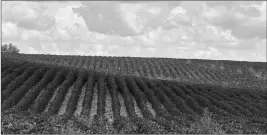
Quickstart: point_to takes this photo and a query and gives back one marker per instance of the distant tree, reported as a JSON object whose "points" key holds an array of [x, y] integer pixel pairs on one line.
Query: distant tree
{"points": [[9, 48]]}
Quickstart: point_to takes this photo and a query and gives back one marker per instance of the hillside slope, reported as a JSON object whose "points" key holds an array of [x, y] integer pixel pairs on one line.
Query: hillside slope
{"points": [[77, 89]]}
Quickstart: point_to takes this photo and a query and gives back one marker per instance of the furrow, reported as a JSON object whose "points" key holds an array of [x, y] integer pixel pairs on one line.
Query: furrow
{"points": [[137, 109], [123, 111], [93, 110], [149, 106], [78, 111], [108, 107], [53, 97], [38, 98], [64, 105]]}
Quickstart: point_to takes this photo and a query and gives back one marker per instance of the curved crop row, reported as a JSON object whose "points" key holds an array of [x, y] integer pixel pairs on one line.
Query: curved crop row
{"points": [[17, 82], [159, 72], [56, 103], [150, 96], [179, 102], [150, 69], [170, 107], [101, 95], [32, 94], [167, 70], [122, 87], [89, 93], [41, 102], [16, 72], [10, 69], [237, 103], [190, 100], [179, 99], [223, 105], [139, 96], [113, 90], [16, 96], [220, 102], [75, 94], [207, 98], [204, 101]]}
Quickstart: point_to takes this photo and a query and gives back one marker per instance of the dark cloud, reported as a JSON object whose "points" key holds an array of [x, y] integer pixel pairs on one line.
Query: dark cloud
{"points": [[103, 18], [107, 18]]}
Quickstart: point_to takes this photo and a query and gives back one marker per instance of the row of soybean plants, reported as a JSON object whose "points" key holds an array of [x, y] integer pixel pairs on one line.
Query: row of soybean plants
{"points": [[151, 67], [17, 81], [145, 90], [125, 65], [77, 79], [183, 99], [12, 71], [18, 87], [223, 101]]}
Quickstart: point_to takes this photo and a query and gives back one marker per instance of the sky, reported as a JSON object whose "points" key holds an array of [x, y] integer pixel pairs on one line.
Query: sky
{"points": [[174, 29]]}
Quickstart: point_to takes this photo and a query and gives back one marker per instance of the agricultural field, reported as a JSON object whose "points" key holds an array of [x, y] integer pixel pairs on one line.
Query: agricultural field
{"points": [[94, 94]]}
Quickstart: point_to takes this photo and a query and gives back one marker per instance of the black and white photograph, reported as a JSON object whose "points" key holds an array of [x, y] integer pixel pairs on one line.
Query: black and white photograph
{"points": [[133, 67]]}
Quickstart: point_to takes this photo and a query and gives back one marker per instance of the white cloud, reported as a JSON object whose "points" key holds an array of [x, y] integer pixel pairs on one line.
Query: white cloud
{"points": [[122, 19], [9, 30], [33, 51], [214, 30], [28, 15]]}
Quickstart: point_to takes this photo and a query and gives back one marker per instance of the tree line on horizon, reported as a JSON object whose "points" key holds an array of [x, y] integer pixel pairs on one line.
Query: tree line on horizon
{"points": [[9, 48]]}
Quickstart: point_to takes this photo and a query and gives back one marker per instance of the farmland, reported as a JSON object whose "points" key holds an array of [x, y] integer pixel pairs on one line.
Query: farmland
{"points": [[131, 94]]}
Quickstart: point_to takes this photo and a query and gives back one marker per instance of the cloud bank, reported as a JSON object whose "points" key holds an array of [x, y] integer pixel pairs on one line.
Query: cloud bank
{"points": [[174, 29]]}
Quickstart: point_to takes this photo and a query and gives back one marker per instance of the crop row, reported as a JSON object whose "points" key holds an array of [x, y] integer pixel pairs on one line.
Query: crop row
{"points": [[151, 68], [33, 87]]}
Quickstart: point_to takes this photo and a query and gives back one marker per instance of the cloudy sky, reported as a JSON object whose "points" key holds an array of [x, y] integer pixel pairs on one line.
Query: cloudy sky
{"points": [[175, 29]]}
